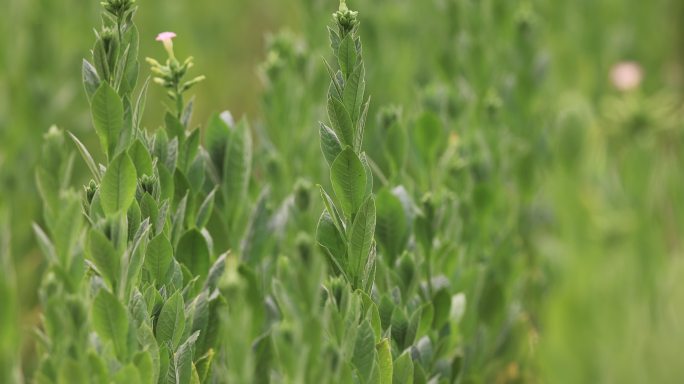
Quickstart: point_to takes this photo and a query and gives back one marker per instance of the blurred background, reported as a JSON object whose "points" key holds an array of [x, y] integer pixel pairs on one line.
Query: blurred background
{"points": [[592, 170]]}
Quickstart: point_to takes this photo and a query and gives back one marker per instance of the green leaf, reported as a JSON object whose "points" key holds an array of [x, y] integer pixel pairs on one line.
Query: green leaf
{"points": [[171, 322], [91, 81], [205, 210], [92, 166], [110, 321], [332, 241], [127, 375], [361, 239], [341, 121], [108, 113], [348, 179], [258, 234], [347, 55], [392, 229], [141, 158], [183, 359], [364, 355], [143, 362], [174, 127], [354, 89], [118, 185], [403, 369], [158, 259], [237, 165], [428, 136], [193, 252], [330, 144], [385, 361], [104, 257]]}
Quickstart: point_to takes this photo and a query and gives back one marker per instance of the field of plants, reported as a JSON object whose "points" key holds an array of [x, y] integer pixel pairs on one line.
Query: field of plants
{"points": [[331, 191]]}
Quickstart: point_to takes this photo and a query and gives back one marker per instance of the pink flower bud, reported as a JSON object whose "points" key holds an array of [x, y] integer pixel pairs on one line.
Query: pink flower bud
{"points": [[626, 75]]}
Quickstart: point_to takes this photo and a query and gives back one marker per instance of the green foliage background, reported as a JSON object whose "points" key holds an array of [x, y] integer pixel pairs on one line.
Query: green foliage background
{"points": [[569, 193]]}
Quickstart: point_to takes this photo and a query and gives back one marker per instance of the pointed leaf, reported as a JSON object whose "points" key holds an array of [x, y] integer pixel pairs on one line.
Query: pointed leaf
{"points": [[348, 178], [118, 185]]}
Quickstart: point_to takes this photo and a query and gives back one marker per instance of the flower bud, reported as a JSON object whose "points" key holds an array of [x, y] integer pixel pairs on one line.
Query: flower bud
{"points": [[302, 194], [90, 191], [304, 244], [347, 20]]}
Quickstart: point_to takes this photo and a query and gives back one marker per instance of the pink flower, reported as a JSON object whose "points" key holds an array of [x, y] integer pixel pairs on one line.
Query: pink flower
{"points": [[626, 75], [166, 39], [166, 36]]}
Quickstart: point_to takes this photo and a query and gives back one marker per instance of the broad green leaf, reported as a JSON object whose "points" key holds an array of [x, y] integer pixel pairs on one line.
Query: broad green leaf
{"points": [[361, 238], [347, 55], [141, 158], [110, 321], [108, 113], [392, 229], [158, 258], [348, 179], [330, 144], [341, 121], [171, 322], [364, 355], [403, 369], [193, 252], [385, 361], [105, 257], [118, 185]]}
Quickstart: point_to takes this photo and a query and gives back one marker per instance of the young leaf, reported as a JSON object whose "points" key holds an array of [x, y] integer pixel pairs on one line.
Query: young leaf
{"points": [[193, 252], [86, 157], [361, 238], [108, 114], [364, 351], [353, 92], [403, 369], [347, 55], [110, 321], [385, 361], [392, 229], [118, 185], [341, 121], [141, 158], [171, 323], [91, 81], [104, 256], [205, 210], [330, 144], [158, 259], [348, 178]]}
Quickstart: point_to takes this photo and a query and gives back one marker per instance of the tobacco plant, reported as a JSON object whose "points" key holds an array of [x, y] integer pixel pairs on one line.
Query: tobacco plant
{"points": [[130, 294]]}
